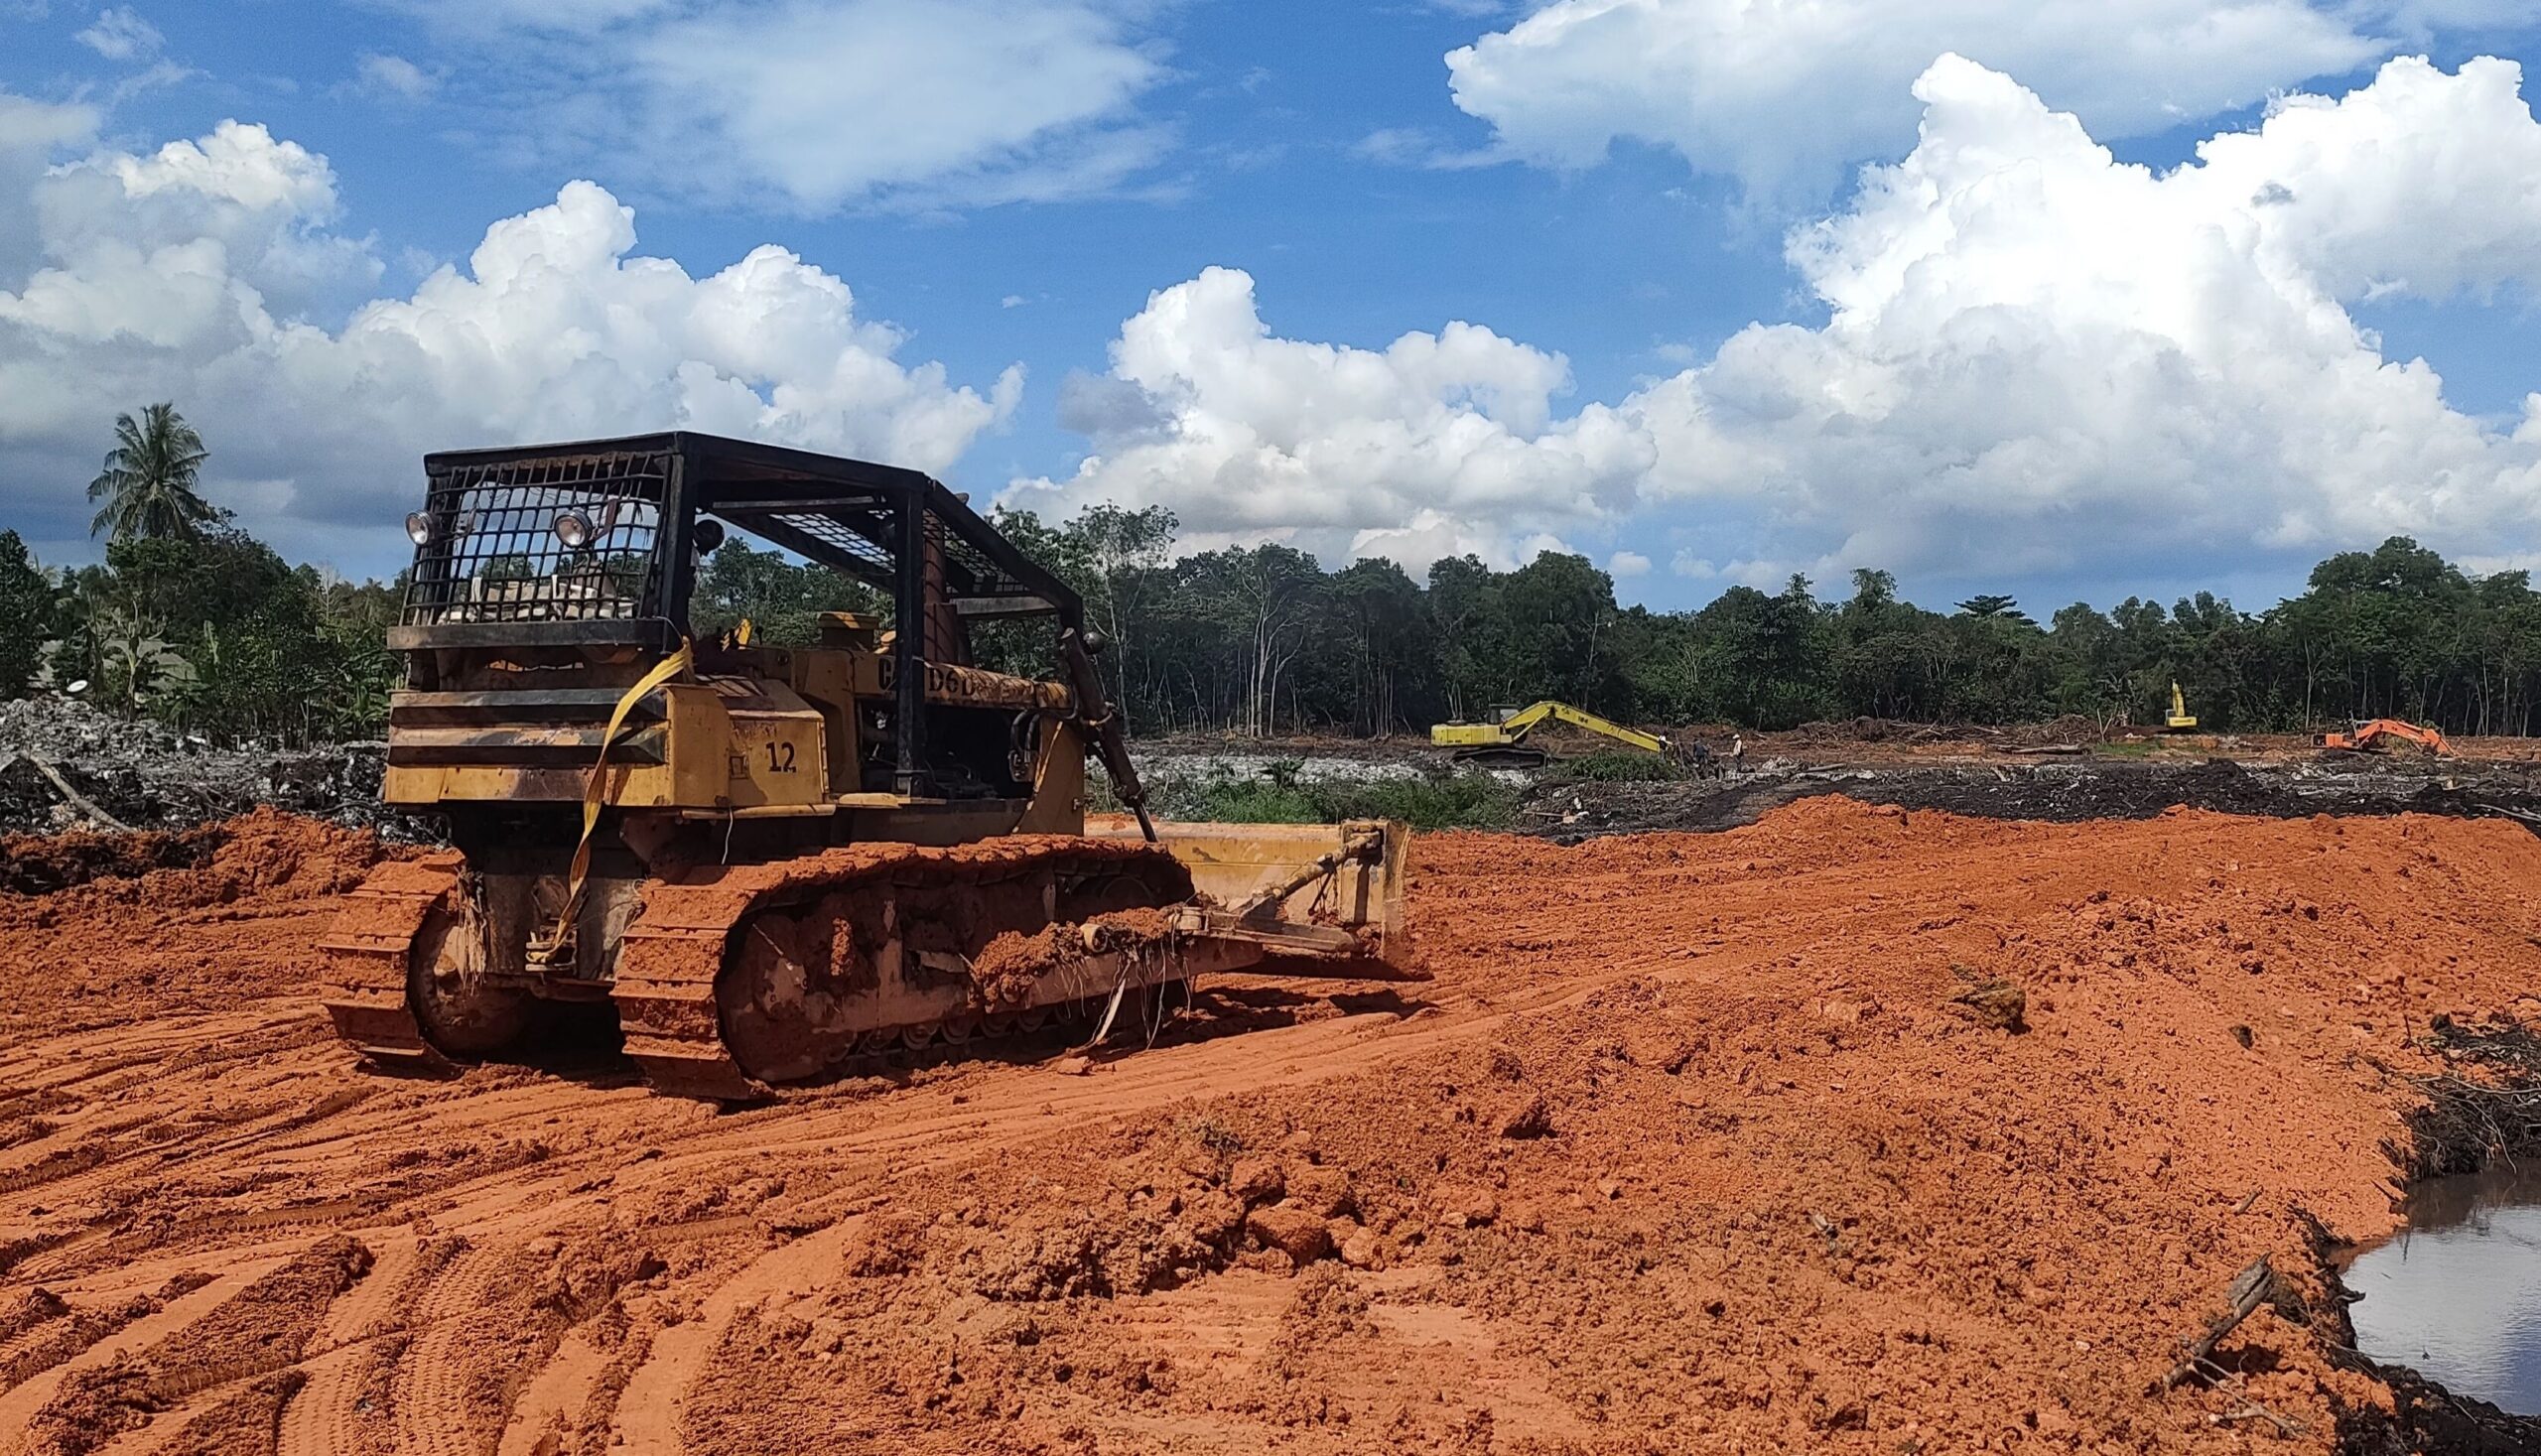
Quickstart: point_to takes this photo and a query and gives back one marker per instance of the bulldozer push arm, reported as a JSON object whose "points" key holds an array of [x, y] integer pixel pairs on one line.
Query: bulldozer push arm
{"points": [[1093, 713]]}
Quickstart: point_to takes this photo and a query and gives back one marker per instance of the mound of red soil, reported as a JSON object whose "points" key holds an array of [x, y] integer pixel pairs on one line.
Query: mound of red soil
{"points": [[36, 864], [144, 924]]}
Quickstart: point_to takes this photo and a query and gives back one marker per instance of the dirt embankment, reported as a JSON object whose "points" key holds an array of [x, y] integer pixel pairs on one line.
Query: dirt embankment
{"points": [[1697, 1142], [143, 925]]}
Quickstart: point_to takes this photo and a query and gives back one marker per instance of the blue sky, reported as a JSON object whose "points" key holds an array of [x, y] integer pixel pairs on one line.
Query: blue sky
{"points": [[1621, 200]]}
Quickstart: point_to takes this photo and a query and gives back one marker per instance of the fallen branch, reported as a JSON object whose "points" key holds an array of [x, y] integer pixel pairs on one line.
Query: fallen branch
{"points": [[2250, 1289], [2256, 1411], [79, 800]]}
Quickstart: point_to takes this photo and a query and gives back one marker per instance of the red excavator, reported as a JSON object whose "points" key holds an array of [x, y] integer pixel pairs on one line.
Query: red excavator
{"points": [[2377, 736]]}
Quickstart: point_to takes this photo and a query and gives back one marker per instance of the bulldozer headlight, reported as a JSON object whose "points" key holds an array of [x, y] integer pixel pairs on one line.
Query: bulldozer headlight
{"points": [[419, 528], [573, 529]]}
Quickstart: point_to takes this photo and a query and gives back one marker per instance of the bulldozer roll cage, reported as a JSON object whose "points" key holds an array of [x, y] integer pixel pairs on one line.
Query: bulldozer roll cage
{"points": [[596, 542]]}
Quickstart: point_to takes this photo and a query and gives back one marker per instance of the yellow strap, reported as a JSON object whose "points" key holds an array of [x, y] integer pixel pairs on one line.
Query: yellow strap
{"points": [[595, 787]]}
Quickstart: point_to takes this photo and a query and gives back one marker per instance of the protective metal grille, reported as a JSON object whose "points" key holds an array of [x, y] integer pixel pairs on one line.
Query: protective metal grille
{"points": [[494, 554], [858, 538], [973, 574], [861, 538]]}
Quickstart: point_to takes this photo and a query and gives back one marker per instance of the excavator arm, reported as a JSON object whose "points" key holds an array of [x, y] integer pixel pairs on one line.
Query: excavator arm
{"points": [[1512, 730], [1583, 719], [2376, 736]]}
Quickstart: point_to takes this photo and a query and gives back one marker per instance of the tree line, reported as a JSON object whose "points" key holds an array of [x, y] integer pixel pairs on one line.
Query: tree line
{"points": [[1262, 640], [189, 620], [192, 621]]}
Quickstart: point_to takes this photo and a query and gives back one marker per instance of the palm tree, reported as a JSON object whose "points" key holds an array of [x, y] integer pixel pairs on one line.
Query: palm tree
{"points": [[148, 485]]}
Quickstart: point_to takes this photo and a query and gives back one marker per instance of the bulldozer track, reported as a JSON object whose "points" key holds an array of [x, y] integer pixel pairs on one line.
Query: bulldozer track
{"points": [[367, 953], [675, 950], [431, 1380], [667, 969], [323, 1417]]}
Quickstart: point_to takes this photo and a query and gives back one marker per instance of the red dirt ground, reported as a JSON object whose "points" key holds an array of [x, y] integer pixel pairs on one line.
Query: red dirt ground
{"points": [[1686, 1148]]}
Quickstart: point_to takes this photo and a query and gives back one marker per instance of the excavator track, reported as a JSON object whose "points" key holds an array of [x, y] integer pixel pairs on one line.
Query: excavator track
{"points": [[676, 954]]}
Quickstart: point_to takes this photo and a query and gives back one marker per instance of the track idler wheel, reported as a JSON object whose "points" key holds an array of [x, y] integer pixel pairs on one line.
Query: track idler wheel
{"points": [[458, 1010], [790, 994]]}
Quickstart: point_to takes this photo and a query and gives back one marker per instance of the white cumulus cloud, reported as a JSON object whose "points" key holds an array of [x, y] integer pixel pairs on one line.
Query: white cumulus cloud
{"points": [[2038, 360], [32, 132], [1436, 445], [202, 273], [1782, 95]]}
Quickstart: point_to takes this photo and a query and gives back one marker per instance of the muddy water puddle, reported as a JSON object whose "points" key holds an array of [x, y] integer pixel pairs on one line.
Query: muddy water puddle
{"points": [[2457, 1297]]}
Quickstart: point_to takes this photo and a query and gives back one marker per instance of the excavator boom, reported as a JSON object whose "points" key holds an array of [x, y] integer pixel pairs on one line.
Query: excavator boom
{"points": [[1502, 741], [2376, 736]]}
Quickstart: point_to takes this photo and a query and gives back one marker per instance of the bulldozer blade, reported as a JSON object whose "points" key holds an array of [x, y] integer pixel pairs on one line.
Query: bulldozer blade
{"points": [[1353, 908]]}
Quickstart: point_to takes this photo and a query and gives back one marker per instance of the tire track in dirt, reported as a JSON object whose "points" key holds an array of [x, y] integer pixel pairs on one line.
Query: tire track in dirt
{"points": [[19, 1405], [227, 1370], [430, 1389], [553, 1397], [325, 1419], [321, 1419], [646, 1422]]}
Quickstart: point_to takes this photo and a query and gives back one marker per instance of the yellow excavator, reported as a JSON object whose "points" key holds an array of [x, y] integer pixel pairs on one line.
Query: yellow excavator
{"points": [[770, 863], [1502, 742], [2179, 719]]}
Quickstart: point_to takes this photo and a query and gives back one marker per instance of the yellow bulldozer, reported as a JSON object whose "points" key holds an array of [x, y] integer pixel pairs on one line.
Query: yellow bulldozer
{"points": [[773, 863]]}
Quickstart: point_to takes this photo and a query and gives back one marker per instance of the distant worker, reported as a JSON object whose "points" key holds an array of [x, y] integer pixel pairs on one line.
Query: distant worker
{"points": [[1738, 753]]}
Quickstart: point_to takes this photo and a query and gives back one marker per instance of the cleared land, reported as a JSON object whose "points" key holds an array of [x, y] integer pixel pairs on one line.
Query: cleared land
{"points": [[1722, 1141]]}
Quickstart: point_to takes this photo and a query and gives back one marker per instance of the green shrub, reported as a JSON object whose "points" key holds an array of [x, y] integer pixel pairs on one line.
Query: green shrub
{"points": [[1441, 801], [1454, 801], [1255, 803]]}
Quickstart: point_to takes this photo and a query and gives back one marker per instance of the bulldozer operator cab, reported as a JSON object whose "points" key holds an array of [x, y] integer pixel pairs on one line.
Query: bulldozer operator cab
{"points": [[549, 581]]}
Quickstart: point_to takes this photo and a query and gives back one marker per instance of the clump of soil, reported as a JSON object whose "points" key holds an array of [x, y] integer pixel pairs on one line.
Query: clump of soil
{"points": [[1994, 1001], [1013, 966]]}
